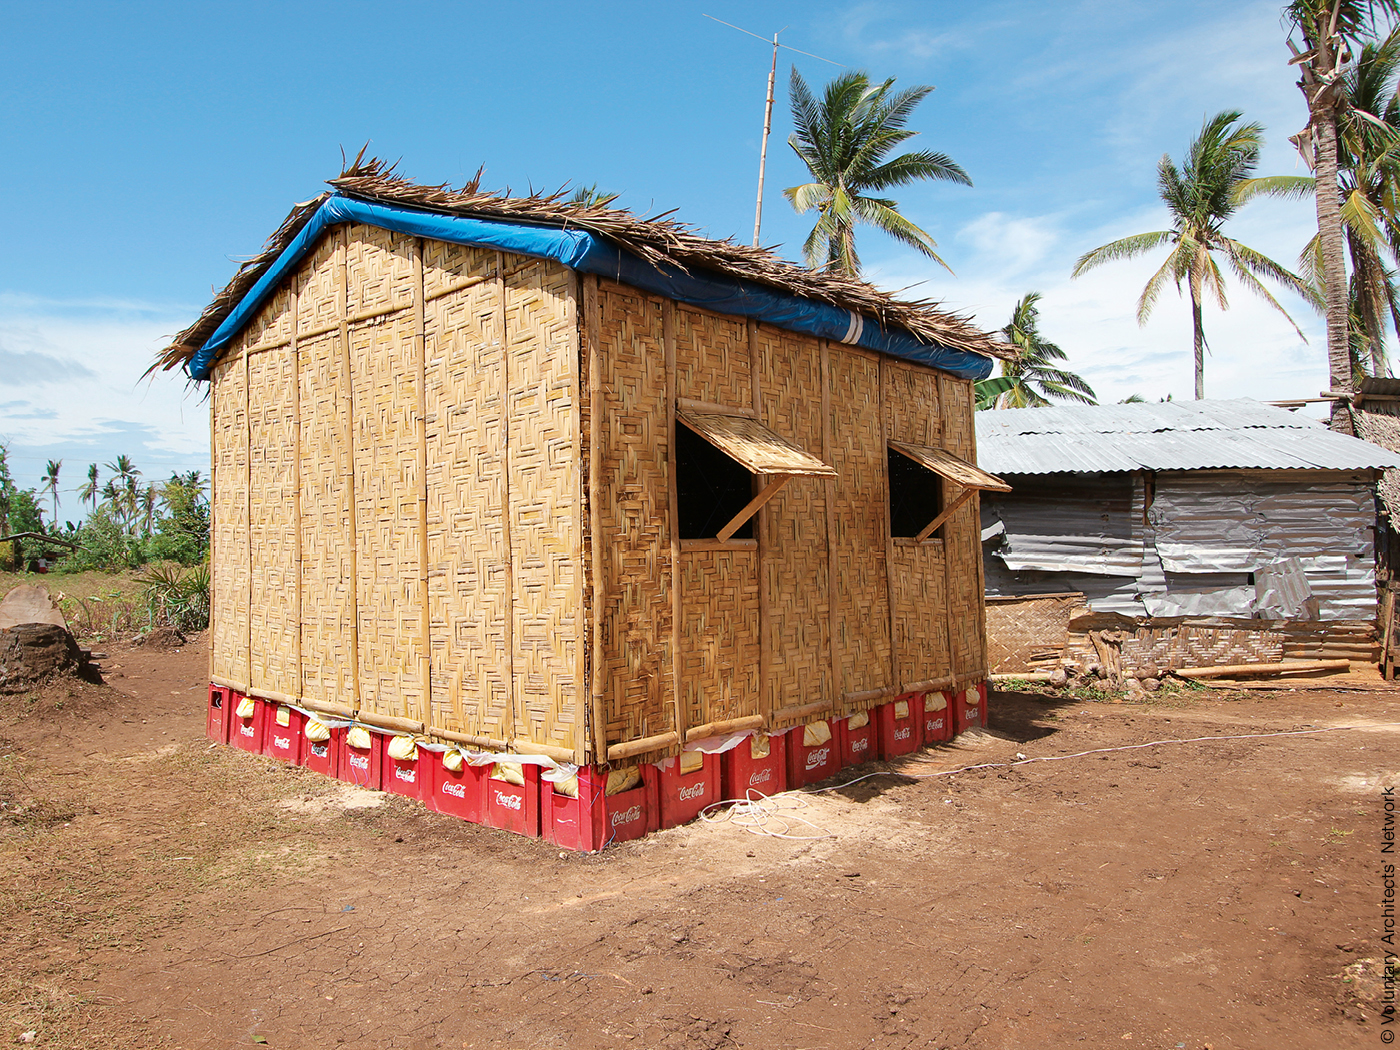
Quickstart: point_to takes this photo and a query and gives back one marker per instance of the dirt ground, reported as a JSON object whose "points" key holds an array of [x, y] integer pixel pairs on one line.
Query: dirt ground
{"points": [[158, 891]]}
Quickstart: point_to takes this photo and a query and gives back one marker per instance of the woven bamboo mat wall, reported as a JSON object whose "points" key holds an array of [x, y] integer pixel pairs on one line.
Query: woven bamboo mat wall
{"points": [[546, 501], [469, 574], [719, 635], [797, 633], [712, 359], [962, 538], [636, 614], [229, 511], [860, 638], [1029, 633]]}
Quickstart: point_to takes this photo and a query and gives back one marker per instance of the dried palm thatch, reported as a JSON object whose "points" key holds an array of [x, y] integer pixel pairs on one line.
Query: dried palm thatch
{"points": [[659, 240]]}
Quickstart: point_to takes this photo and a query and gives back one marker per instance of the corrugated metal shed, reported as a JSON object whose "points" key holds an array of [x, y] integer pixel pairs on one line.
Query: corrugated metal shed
{"points": [[1188, 435]]}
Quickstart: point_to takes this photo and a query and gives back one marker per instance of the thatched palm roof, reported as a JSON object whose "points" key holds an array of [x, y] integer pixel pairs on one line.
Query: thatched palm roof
{"points": [[659, 240]]}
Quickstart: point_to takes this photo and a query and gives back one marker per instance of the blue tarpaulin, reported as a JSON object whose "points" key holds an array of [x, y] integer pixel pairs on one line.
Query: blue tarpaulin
{"points": [[588, 253]]}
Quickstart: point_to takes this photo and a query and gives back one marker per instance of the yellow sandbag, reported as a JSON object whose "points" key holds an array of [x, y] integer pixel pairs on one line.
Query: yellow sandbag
{"points": [[620, 780], [284, 715], [568, 788], [815, 734], [691, 761], [403, 749], [246, 707], [901, 709], [359, 737], [508, 772], [973, 697], [316, 732], [760, 746], [935, 702], [859, 720], [452, 761]]}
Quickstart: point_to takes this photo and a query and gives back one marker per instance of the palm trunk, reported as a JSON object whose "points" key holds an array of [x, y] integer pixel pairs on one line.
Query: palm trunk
{"points": [[1334, 270], [1198, 331]]}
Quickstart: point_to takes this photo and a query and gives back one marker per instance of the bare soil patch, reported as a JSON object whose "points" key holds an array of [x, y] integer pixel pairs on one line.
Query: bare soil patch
{"points": [[1219, 893]]}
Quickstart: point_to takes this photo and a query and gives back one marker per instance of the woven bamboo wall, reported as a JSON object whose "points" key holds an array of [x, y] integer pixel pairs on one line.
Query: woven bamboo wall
{"points": [[636, 613], [962, 539], [229, 511], [797, 633], [712, 358]]}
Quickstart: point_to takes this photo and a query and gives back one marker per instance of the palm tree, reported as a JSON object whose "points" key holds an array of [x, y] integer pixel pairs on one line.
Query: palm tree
{"points": [[87, 492], [1032, 379], [591, 197], [50, 482], [1211, 186], [845, 141], [1329, 28]]}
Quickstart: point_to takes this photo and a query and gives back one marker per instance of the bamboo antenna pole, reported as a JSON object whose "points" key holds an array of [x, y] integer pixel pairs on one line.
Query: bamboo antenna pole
{"points": [[668, 338], [420, 351], [591, 324], [505, 491], [763, 149], [343, 309]]}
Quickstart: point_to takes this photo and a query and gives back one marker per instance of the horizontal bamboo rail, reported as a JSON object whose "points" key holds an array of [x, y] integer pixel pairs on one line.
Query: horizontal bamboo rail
{"points": [[617, 752], [729, 725], [1235, 670]]}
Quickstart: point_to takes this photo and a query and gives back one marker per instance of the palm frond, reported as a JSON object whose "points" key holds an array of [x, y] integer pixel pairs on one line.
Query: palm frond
{"points": [[1123, 248]]}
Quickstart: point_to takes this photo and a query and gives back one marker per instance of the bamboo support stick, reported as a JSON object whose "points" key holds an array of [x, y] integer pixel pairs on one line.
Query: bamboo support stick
{"points": [[729, 725], [867, 695], [511, 582], [689, 404], [892, 618], [401, 725], [420, 351], [228, 683], [294, 305], [660, 742], [801, 711], [486, 743], [718, 545], [932, 527], [326, 707], [576, 553], [948, 578], [597, 683], [248, 504], [1239, 670], [521, 746], [765, 648], [752, 507], [833, 617], [929, 686], [343, 308], [668, 339]]}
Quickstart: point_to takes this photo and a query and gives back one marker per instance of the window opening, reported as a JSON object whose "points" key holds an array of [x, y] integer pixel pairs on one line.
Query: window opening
{"points": [[916, 497], [711, 488]]}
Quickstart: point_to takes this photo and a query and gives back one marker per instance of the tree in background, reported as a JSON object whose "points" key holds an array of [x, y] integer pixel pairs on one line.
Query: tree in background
{"points": [[123, 488], [1329, 29], [1213, 183], [591, 197], [1032, 379], [50, 481], [87, 492], [845, 140]]}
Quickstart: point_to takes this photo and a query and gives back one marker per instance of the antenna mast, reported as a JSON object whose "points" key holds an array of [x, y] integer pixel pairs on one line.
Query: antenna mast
{"points": [[763, 151]]}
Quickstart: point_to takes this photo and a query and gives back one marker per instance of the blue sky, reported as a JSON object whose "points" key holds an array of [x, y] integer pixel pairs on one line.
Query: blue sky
{"points": [[150, 145]]}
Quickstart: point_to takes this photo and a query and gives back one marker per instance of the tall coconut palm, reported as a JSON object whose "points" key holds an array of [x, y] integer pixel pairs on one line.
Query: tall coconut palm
{"points": [[87, 492], [845, 140], [1034, 378], [126, 484], [50, 482], [1329, 28], [1212, 184]]}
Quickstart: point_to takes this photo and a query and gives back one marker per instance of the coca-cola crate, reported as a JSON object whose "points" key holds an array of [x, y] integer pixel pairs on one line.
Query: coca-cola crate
{"points": [[900, 724], [683, 786], [859, 742], [936, 717], [219, 713], [283, 733], [510, 806], [361, 766], [813, 753], [323, 756], [407, 776], [971, 707], [592, 818], [245, 730], [758, 763], [457, 793]]}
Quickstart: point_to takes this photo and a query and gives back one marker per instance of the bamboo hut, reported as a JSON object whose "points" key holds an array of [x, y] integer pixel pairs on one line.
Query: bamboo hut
{"points": [[549, 478]]}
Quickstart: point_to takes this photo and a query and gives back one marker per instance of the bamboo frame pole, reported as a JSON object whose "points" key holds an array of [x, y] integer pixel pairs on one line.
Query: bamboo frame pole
{"points": [[213, 519], [248, 501], [576, 553], [342, 308], [505, 492], [752, 507], [597, 683], [948, 511], [765, 652], [668, 339], [295, 303], [948, 547], [420, 350], [829, 501], [892, 616]]}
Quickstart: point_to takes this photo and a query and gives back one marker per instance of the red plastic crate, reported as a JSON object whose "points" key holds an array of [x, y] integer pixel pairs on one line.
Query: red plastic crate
{"points": [[246, 733], [594, 819], [859, 743], [407, 777], [284, 733], [460, 793], [936, 717], [809, 764], [901, 725], [323, 756], [360, 766], [681, 796], [971, 713], [514, 807], [739, 770], [217, 715]]}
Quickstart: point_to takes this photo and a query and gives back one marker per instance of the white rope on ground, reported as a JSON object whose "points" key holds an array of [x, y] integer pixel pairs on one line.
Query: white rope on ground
{"points": [[756, 812]]}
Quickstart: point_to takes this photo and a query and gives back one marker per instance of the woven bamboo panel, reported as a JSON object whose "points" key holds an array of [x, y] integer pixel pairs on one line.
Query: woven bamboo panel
{"points": [[327, 583], [1029, 633], [761, 450], [318, 297], [633, 501], [860, 621], [273, 323], [962, 536], [378, 270], [912, 409], [229, 513], [469, 584], [712, 359], [920, 624], [797, 633], [719, 635], [387, 485], [545, 497], [275, 631]]}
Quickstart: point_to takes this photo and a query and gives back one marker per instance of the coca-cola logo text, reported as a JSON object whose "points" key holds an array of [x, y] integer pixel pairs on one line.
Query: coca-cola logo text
{"points": [[818, 757], [628, 816], [455, 790], [694, 791], [282, 743], [509, 801], [408, 776], [359, 762]]}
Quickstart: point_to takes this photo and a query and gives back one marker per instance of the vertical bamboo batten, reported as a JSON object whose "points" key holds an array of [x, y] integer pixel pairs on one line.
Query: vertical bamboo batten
{"points": [[424, 711], [829, 507], [949, 606], [668, 338], [295, 286], [577, 470], [765, 650], [343, 312], [215, 614], [963, 543], [248, 507], [512, 722], [890, 565], [597, 684]]}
